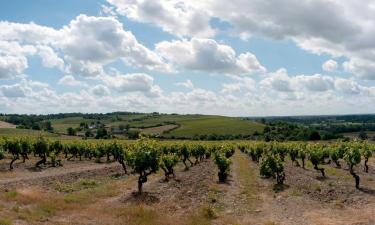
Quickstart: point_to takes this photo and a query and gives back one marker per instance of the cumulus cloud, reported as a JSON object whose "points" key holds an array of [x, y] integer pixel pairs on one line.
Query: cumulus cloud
{"points": [[364, 69], [87, 44], [209, 56], [91, 42], [100, 90], [187, 84], [279, 81], [12, 91], [173, 16], [349, 31], [330, 65], [11, 66], [240, 84], [135, 82], [69, 80], [49, 57]]}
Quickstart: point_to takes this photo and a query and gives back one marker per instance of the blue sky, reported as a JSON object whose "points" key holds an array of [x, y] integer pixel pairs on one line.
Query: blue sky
{"points": [[243, 58]]}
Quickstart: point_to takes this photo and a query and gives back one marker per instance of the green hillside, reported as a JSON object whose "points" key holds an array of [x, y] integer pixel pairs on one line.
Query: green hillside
{"points": [[12, 132], [165, 125], [215, 125]]}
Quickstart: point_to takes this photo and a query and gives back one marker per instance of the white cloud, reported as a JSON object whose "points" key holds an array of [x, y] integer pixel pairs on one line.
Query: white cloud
{"points": [[364, 69], [11, 66], [339, 28], [69, 80], [316, 82], [187, 84], [100, 90], [173, 16], [135, 82], [12, 91], [28, 33], [209, 56], [91, 42], [86, 44], [279, 81], [49, 57], [330, 65], [348, 86], [241, 84]]}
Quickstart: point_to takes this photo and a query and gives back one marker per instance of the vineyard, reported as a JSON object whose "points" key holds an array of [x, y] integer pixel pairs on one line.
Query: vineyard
{"points": [[344, 168]]}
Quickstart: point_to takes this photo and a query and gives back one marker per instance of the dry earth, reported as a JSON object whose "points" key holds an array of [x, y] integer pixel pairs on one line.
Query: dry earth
{"points": [[90, 193], [6, 125]]}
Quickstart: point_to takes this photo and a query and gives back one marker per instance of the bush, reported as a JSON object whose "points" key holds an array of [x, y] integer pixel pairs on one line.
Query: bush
{"points": [[223, 164]]}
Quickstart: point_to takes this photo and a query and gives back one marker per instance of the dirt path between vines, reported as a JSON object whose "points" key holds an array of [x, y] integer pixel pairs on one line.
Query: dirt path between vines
{"points": [[194, 197], [70, 172], [299, 203]]}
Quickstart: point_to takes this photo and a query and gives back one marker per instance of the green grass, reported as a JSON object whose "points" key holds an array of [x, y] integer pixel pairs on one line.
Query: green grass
{"points": [[190, 125], [11, 132], [61, 125], [247, 176], [5, 222], [215, 125]]}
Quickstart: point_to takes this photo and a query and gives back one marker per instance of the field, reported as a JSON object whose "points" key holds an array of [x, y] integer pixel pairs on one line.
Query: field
{"points": [[12, 132], [99, 192], [180, 126], [215, 125], [6, 125]]}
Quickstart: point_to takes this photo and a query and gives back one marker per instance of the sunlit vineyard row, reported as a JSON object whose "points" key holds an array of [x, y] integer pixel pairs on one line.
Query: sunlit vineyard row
{"points": [[145, 156]]}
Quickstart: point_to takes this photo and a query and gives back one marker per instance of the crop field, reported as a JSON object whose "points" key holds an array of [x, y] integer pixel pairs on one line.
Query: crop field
{"points": [[54, 181], [180, 126], [216, 125]]}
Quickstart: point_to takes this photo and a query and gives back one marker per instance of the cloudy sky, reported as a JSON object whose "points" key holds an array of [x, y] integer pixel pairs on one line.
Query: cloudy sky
{"points": [[238, 57]]}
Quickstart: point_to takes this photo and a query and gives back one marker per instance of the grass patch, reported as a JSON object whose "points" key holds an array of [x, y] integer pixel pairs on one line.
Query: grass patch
{"points": [[74, 198], [296, 193], [203, 216], [5, 222], [138, 215], [330, 171], [317, 187], [247, 177], [11, 195], [61, 187], [81, 184]]}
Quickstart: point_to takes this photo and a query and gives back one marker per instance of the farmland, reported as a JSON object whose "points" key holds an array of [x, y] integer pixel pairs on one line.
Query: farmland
{"points": [[84, 181]]}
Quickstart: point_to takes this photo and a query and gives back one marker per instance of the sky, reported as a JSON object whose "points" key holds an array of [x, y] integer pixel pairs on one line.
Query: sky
{"points": [[217, 57]]}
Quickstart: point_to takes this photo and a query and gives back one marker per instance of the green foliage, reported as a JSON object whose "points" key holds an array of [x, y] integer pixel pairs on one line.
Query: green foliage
{"points": [[352, 156], [144, 159], [271, 165], [168, 162], [223, 164]]}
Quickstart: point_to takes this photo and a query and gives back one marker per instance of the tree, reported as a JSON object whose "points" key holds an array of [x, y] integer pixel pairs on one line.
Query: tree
{"points": [[71, 131], [101, 133], [88, 134], [47, 126], [352, 157], [144, 159], [133, 134], [362, 135]]}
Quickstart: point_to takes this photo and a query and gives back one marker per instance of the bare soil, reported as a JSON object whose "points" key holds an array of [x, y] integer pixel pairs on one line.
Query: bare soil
{"points": [[192, 197], [6, 125]]}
